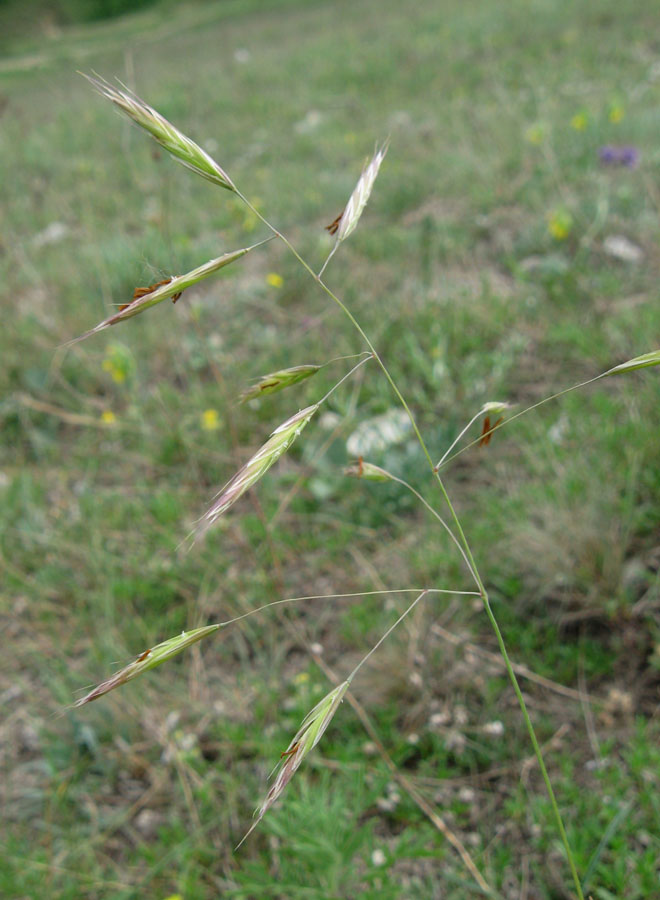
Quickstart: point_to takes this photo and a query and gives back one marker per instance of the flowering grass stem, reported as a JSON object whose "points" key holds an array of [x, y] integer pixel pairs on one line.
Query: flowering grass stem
{"points": [[461, 536], [316, 721]]}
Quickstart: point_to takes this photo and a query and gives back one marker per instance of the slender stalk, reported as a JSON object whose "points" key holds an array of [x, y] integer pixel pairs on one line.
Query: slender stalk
{"points": [[440, 519], [342, 380], [330, 255], [517, 415], [350, 356], [461, 535], [456, 440], [352, 320], [258, 609], [385, 636]]}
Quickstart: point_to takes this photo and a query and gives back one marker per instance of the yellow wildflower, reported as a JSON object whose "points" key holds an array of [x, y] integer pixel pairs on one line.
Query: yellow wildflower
{"points": [[579, 121], [274, 280], [210, 420], [535, 134], [108, 417], [118, 363], [115, 371], [301, 678], [616, 113], [560, 223]]}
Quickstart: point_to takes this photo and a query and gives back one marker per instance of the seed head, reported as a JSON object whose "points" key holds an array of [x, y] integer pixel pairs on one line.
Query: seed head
{"points": [[639, 362], [367, 470], [170, 138], [358, 199], [305, 739], [496, 407], [149, 659], [256, 467], [278, 381], [171, 287]]}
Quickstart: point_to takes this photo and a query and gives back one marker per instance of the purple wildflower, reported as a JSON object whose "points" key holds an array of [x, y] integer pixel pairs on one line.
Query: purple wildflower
{"points": [[614, 155]]}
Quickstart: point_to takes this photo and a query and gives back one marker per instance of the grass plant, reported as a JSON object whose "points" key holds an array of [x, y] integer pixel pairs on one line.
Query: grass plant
{"points": [[317, 720], [482, 268]]}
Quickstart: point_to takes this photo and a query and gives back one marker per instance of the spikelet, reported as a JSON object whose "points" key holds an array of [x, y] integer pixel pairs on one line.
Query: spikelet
{"points": [[639, 362], [305, 739], [171, 288], [358, 199], [367, 470], [148, 660], [257, 466], [143, 291], [278, 381], [496, 407], [170, 138]]}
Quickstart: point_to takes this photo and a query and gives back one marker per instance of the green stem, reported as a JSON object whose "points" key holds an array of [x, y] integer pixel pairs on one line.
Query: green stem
{"points": [[516, 687], [468, 552], [574, 387], [385, 636], [352, 320]]}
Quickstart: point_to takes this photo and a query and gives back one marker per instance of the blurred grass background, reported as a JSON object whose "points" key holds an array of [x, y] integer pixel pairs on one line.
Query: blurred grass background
{"points": [[484, 268]]}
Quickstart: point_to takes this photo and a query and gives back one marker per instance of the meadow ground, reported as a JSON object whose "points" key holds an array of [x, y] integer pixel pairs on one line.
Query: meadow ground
{"points": [[499, 258]]}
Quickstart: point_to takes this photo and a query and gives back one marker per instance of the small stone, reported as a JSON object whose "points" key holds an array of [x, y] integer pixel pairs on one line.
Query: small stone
{"points": [[621, 701], [52, 234], [172, 720], [439, 719], [495, 728], [29, 737], [13, 692], [147, 822], [329, 420], [310, 123], [455, 741], [460, 715], [557, 431], [618, 246]]}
